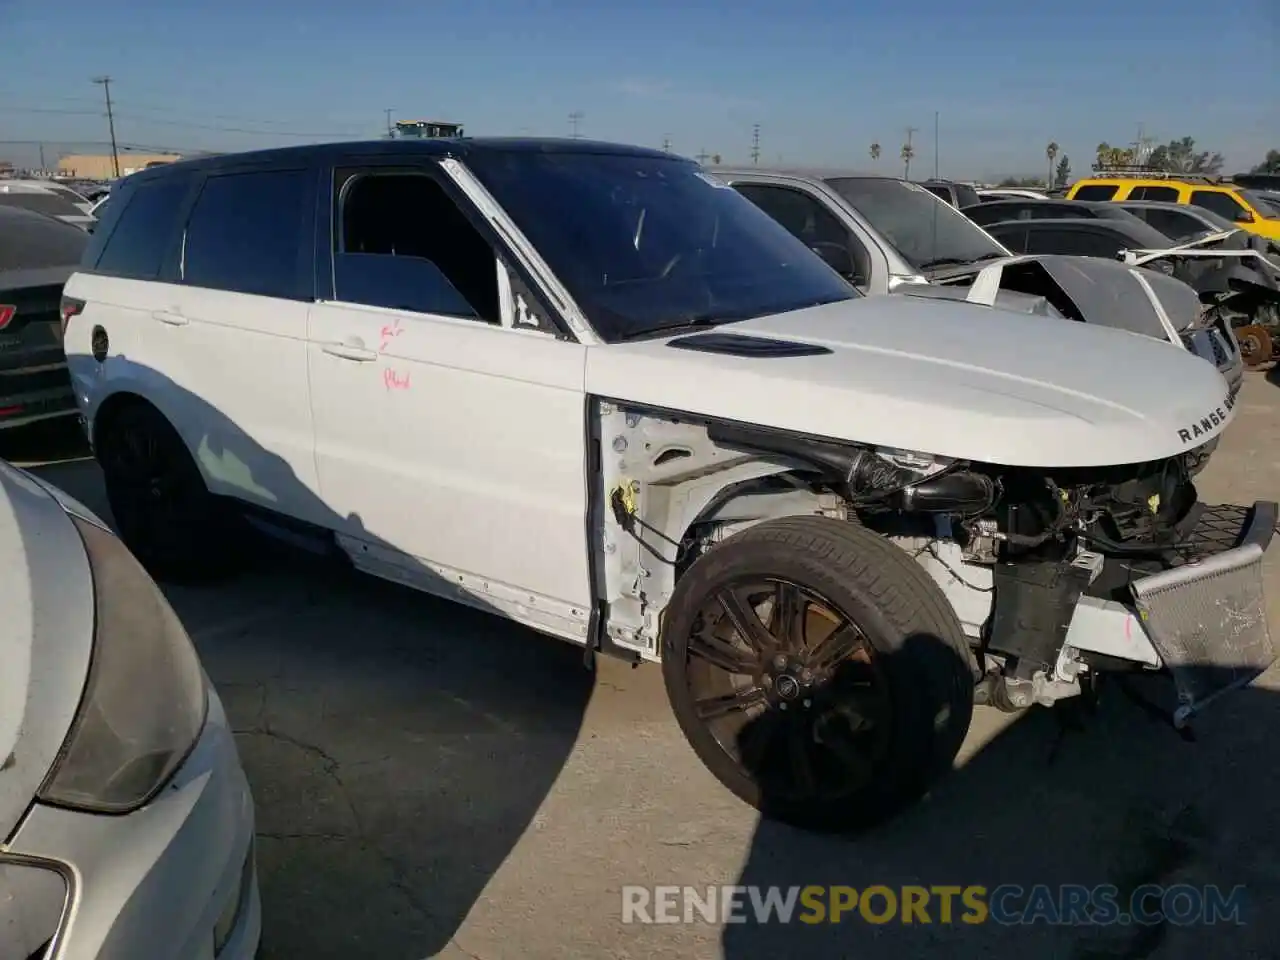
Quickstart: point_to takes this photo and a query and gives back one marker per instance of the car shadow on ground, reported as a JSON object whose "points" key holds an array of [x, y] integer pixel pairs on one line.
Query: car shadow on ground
{"points": [[397, 745], [1273, 375], [1058, 798]]}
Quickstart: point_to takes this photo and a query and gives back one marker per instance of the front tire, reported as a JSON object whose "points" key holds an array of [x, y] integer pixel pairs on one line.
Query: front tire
{"points": [[162, 509], [818, 672]]}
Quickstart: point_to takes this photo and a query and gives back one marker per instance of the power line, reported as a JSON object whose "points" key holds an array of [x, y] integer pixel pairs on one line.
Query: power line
{"points": [[111, 123], [219, 128]]}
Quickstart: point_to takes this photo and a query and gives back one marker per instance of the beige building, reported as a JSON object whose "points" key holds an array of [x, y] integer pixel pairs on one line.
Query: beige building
{"points": [[101, 168]]}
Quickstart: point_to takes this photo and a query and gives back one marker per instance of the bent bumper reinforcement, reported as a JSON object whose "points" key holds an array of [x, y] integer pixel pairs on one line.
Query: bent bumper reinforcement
{"points": [[1207, 619]]}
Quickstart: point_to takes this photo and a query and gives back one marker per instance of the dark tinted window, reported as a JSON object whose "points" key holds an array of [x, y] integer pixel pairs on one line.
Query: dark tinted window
{"points": [[30, 240], [1012, 234], [1165, 194], [1220, 203], [1096, 191], [938, 191], [807, 220], [1075, 243], [136, 231], [646, 241], [966, 196], [1173, 223], [245, 233]]}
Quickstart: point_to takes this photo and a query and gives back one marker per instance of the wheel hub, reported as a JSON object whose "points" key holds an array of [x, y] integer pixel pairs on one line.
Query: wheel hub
{"points": [[788, 680]]}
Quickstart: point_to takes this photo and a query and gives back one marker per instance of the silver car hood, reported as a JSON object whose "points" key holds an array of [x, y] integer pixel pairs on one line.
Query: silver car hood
{"points": [[46, 637]]}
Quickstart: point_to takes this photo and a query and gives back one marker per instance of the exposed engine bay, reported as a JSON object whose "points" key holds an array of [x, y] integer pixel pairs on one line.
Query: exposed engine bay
{"points": [[1032, 560]]}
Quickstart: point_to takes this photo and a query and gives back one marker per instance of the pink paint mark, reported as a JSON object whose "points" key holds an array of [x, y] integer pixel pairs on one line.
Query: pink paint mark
{"points": [[1128, 628], [394, 380], [388, 333]]}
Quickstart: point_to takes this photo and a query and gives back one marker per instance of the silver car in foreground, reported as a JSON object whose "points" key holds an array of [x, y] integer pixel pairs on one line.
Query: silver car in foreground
{"points": [[126, 820]]}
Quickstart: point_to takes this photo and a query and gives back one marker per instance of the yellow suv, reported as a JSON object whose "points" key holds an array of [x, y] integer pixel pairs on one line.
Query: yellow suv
{"points": [[1241, 206]]}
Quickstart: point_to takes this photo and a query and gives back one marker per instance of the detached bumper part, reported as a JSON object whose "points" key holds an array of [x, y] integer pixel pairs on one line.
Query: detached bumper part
{"points": [[1207, 618]]}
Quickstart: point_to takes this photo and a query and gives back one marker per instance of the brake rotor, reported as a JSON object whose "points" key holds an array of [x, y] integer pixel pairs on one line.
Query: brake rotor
{"points": [[1255, 344]]}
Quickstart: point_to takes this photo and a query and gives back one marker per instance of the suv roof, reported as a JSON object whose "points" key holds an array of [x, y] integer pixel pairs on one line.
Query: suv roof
{"points": [[410, 147]]}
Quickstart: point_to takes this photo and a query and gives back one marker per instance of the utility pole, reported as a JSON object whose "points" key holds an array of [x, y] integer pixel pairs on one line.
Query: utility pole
{"points": [[111, 124], [575, 120], [42, 166], [703, 156], [390, 129], [666, 144], [755, 143], [935, 144]]}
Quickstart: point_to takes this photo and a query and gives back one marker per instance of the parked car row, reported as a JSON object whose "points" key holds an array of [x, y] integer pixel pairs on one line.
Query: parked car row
{"points": [[888, 235], [648, 376], [820, 446]]}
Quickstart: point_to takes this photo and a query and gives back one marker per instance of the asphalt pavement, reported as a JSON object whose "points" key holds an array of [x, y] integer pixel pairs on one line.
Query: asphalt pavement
{"points": [[432, 780]]}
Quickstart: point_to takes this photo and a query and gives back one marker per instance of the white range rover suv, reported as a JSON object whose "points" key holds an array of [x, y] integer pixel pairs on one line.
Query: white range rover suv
{"points": [[589, 388]]}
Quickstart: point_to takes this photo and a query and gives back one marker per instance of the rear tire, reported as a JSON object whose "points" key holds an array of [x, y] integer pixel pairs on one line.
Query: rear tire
{"points": [[161, 506], [871, 719]]}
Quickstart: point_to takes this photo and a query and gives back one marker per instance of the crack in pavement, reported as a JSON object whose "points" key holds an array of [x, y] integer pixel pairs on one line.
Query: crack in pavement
{"points": [[331, 768]]}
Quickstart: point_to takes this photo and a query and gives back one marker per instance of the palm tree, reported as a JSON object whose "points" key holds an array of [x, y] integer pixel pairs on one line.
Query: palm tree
{"points": [[1051, 151], [1104, 154], [908, 154], [875, 151]]}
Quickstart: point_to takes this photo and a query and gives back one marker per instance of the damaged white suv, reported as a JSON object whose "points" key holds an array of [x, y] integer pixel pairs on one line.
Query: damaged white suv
{"points": [[590, 389]]}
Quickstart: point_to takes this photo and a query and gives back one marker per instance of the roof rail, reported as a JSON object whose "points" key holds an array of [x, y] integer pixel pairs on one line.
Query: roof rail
{"points": [[1150, 173]]}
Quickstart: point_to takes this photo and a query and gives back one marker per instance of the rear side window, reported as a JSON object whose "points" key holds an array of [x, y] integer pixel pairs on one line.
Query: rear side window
{"points": [[1074, 243], [245, 234], [1172, 223], [1220, 203], [132, 239], [1164, 194], [1095, 191]]}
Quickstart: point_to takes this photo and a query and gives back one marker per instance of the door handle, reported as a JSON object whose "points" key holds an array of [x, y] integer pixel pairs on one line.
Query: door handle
{"points": [[169, 317], [351, 351]]}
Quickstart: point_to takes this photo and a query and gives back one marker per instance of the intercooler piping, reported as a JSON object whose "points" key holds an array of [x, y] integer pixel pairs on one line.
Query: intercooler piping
{"points": [[872, 480]]}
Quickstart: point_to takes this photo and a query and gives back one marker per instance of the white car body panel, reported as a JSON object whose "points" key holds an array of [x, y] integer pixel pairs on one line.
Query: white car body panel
{"points": [[453, 439], [989, 385], [228, 370]]}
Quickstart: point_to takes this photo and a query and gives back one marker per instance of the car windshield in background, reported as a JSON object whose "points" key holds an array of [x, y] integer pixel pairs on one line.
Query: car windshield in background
{"points": [[1263, 204], [927, 232], [49, 203], [646, 243], [30, 241]]}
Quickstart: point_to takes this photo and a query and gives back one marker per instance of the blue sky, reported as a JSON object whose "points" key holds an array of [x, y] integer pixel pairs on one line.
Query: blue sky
{"points": [[823, 78]]}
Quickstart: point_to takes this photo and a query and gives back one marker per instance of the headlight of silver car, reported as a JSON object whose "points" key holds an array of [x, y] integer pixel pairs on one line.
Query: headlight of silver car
{"points": [[145, 701]]}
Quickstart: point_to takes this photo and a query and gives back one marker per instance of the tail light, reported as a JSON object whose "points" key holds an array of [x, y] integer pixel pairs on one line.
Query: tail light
{"points": [[71, 307], [6, 314]]}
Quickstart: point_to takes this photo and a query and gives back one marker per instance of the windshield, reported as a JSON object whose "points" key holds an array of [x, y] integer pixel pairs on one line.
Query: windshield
{"points": [[645, 242], [1265, 205], [926, 231]]}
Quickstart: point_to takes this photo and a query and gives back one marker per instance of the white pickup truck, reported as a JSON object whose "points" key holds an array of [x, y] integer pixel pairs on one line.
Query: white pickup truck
{"points": [[591, 389]]}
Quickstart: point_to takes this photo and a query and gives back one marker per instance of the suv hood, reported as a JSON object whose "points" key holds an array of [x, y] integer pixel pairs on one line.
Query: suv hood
{"points": [[46, 636], [951, 379]]}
